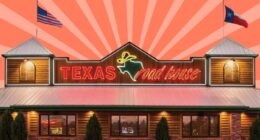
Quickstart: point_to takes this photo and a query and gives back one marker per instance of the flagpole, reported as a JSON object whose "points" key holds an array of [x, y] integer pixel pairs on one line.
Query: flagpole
{"points": [[223, 25], [36, 31]]}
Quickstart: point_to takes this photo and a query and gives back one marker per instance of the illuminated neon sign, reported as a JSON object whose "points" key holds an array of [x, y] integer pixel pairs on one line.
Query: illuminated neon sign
{"points": [[88, 73], [172, 74], [128, 66]]}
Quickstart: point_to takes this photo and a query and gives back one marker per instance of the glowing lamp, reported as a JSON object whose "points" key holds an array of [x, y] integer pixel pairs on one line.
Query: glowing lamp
{"points": [[14, 114], [91, 113], [164, 113]]}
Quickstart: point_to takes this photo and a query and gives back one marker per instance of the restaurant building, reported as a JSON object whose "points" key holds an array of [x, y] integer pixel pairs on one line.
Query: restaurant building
{"points": [[211, 97]]}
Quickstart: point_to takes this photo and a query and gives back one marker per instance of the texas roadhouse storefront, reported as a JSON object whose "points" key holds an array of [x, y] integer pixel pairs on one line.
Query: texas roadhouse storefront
{"points": [[209, 97]]}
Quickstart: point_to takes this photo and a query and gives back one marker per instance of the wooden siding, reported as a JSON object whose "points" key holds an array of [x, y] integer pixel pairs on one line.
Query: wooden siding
{"points": [[84, 117], [174, 122], [33, 123], [173, 119], [246, 71], [225, 124], [42, 71], [246, 122]]}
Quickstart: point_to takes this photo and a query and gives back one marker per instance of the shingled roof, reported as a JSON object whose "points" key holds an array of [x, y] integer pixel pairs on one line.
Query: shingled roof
{"points": [[30, 47], [228, 47]]}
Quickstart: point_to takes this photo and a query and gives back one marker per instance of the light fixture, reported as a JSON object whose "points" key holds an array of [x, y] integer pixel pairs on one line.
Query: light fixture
{"points": [[164, 114], [243, 114], [33, 112], [223, 113], [91, 113], [14, 114]]}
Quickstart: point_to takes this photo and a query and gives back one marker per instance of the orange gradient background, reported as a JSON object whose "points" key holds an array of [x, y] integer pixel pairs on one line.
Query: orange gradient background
{"points": [[167, 29]]}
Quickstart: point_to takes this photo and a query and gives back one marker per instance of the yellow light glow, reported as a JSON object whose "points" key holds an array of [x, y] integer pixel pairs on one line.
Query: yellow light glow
{"points": [[14, 114], [164, 114], [29, 65], [125, 56], [243, 114], [230, 63], [91, 113], [223, 113], [33, 112]]}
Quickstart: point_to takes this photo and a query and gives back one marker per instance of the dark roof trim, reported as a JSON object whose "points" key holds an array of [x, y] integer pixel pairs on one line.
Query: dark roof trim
{"points": [[131, 108], [231, 55], [25, 55]]}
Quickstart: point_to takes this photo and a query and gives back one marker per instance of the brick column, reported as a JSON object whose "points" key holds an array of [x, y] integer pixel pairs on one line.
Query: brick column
{"points": [[235, 126]]}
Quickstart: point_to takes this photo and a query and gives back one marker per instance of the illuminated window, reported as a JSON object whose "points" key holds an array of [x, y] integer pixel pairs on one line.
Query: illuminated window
{"points": [[129, 125], [231, 72], [200, 126], [58, 125], [44, 125], [27, 72]]}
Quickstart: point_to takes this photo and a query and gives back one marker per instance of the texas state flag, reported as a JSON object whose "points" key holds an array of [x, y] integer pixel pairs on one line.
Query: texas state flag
{"points": [[233, 17]]}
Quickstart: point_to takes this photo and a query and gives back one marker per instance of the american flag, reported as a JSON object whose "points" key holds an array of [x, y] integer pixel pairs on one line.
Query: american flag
{"points": [[47, 18]]}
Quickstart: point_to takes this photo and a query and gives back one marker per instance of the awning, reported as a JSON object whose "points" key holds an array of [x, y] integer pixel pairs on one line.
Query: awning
{"points": [[142, 97]]}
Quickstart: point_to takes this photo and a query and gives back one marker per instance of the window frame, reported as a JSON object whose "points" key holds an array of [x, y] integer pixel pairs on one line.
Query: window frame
{"points": [[209, 126], [21, 70], [119, 125], [225, 81], [40, 116]]}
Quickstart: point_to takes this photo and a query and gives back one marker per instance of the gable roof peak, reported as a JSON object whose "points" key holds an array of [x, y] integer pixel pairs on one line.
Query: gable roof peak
{"points": [[31, 47], [228, 47]]}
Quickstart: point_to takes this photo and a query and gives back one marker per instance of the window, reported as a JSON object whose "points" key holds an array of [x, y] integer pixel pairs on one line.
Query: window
{"points": [[214, 125], [200, 126], [142, 125], [71, 125], [186, 122], [115, 125], [44, 124], [57, 125], [129, 125], [231, 72], [27, 72]]}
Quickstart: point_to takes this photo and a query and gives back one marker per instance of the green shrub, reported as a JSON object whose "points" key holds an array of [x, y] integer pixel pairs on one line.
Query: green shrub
{"points": [[19, 131], [255, 130], [93, 130], [162, 130], [5, 125]]}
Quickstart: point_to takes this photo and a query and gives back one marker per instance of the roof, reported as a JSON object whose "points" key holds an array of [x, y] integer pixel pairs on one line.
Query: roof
{"points": [[30, 47], [228, 47], [145, 97]]}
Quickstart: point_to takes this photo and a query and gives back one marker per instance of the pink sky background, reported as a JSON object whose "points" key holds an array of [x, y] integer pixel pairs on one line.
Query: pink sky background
{"points": [[167, 29]]}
